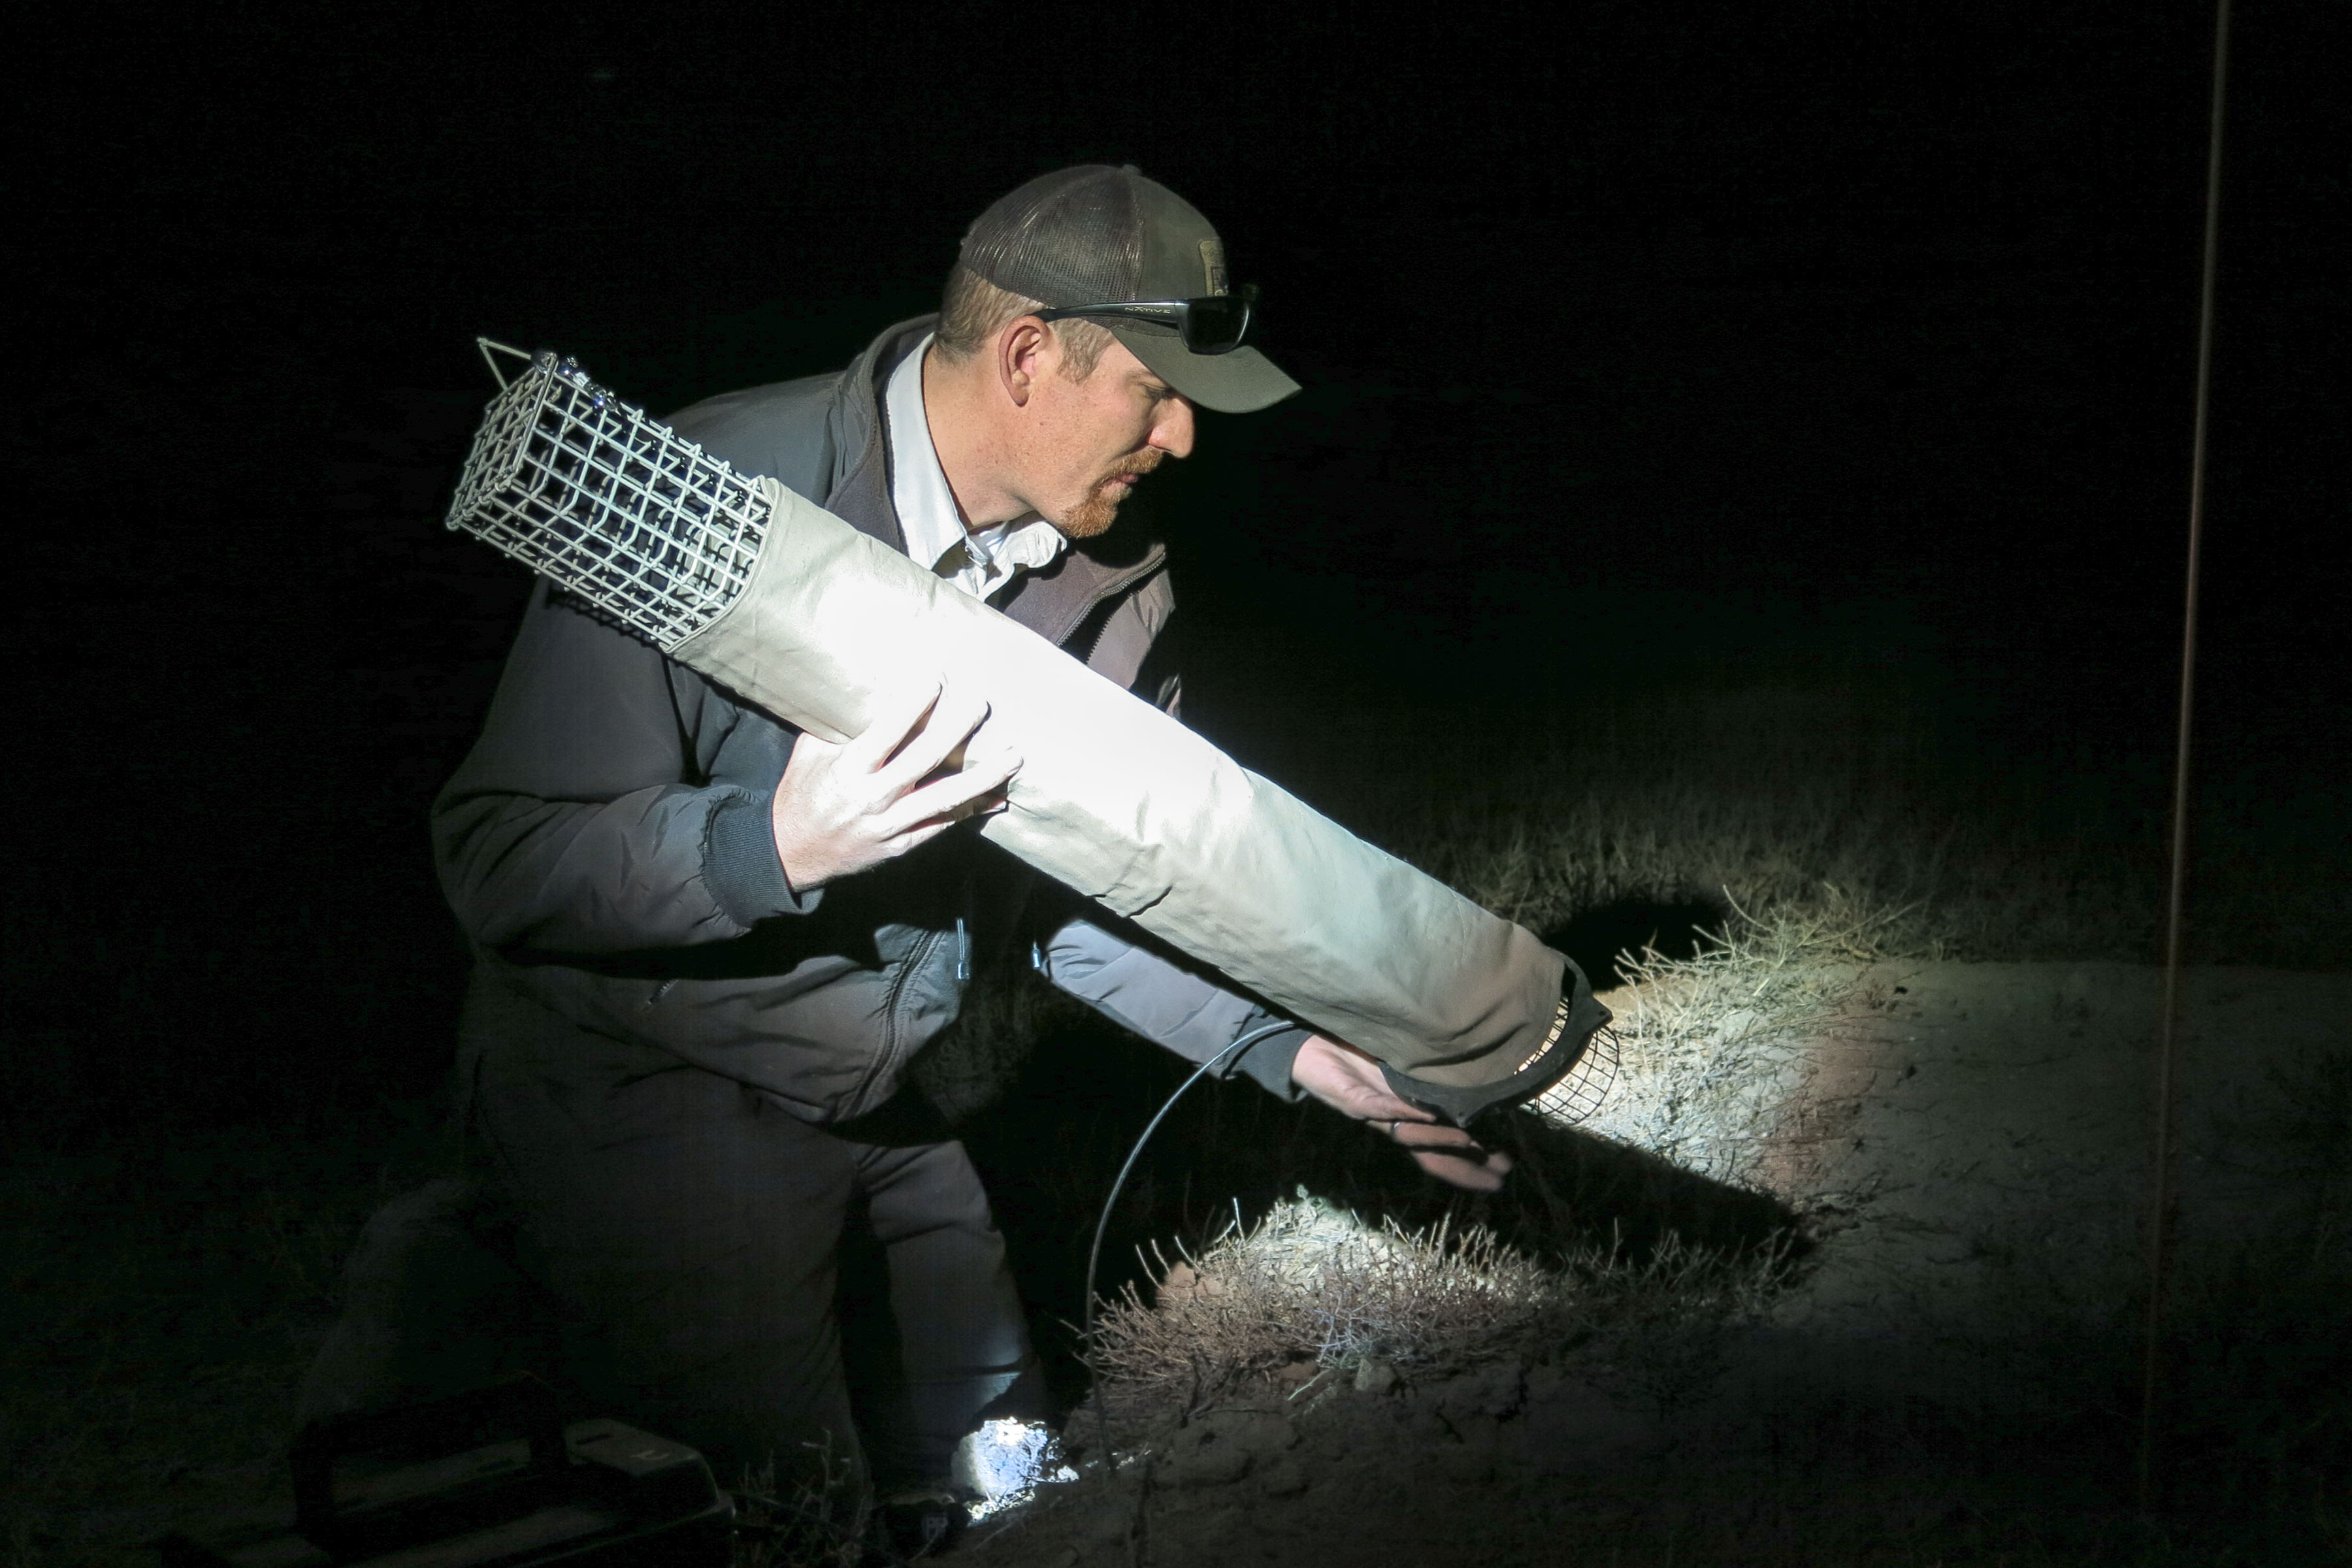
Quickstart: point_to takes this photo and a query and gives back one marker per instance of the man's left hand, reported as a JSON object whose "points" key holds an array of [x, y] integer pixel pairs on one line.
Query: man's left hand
{"points": [[1349, 1082]]}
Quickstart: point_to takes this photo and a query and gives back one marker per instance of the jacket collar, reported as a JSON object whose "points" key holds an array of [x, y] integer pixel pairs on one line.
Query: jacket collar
{"points": [[860, 492]]}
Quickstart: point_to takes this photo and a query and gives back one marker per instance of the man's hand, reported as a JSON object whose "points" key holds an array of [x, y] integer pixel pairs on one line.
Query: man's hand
{"points": [[1349, 1082], [845, 809]]}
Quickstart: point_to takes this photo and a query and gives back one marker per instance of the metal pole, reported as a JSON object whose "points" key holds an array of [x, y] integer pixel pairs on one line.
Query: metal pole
{"points": [[2168, 1054]]}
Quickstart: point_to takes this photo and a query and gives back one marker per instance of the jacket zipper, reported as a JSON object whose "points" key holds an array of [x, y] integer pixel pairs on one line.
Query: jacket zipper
{"points": [[886, 1057]]}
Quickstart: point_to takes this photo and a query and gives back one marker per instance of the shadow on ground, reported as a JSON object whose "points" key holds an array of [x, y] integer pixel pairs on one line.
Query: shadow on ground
{"points": [[1602, 939]]}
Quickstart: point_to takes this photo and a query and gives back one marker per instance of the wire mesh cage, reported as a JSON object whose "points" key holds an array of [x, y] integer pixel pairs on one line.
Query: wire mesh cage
{"points": [[1579, 1090], [607, 502]]}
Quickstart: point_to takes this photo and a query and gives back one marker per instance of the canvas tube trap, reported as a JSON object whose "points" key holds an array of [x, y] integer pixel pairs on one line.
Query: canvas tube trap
{"points": [[803, 616]]}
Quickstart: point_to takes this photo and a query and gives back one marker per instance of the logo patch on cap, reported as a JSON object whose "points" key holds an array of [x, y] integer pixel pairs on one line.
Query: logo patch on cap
{"points": [[1213, 263]]}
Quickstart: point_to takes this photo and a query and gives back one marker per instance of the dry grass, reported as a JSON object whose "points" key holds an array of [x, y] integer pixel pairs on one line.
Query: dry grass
{"points": [[1313, 1284], [1312, 1290], [1712, 1046], [1834, 800], [818, 1521]]}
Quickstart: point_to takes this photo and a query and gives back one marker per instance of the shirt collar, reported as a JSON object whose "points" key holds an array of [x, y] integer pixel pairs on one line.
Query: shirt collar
{"points": [[981, 562]]}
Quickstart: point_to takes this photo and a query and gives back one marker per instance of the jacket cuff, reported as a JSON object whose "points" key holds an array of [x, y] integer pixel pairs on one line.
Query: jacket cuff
{"points": [[1269, 1060], [740, 865]]}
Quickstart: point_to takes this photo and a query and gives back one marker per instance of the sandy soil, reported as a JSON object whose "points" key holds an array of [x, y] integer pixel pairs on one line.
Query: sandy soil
{"points": [[1977, 1156], [1969, 1146]]}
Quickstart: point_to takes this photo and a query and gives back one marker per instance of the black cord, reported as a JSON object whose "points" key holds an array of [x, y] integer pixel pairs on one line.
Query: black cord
{"points": [[1102, 1225]]}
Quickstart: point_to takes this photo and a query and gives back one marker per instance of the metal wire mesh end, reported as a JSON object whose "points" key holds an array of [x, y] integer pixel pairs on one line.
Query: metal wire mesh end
{"points": [[1579, 1091], [609, 503]]}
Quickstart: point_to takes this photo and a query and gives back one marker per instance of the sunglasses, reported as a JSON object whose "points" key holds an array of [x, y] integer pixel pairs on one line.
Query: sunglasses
{"points": [[1212, 324]]}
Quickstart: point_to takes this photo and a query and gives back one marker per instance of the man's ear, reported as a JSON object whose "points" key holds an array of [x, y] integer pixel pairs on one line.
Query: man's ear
{"points": [[1025, 354]]}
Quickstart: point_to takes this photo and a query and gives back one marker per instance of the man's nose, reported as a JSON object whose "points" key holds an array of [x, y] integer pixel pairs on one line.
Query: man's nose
{"points": [[1173, 431]]}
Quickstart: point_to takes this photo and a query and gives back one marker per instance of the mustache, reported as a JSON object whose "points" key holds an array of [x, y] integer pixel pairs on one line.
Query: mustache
{"points": [[1143, 462]]}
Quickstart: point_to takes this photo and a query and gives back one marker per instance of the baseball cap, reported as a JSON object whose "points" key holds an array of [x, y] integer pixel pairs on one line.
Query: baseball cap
{"points": [[1097, 234]]}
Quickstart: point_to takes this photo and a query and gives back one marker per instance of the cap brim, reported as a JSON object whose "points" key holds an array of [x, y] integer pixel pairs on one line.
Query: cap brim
{"points": [[1240, 381]]}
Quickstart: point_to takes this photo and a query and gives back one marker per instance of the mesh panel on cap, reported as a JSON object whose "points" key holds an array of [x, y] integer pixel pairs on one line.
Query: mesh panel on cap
{"points": [[1071, 237]]}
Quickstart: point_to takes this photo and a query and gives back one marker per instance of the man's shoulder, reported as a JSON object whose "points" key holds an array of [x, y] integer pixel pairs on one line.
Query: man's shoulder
{"points": [[782, 430], [803, 434]]}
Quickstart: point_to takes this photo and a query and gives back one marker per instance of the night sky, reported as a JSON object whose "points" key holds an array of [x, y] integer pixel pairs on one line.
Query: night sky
{"points": [[1636, 337]]}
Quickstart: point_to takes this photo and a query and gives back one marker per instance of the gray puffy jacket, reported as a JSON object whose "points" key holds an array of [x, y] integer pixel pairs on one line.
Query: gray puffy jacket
{"points": [[605, 843]]}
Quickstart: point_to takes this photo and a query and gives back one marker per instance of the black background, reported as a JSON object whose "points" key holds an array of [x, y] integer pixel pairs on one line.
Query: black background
{"points": [[1637, 339]]}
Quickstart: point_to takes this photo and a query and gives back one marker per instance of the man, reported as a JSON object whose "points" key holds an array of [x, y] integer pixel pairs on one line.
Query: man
{"points": [[707, 946]]}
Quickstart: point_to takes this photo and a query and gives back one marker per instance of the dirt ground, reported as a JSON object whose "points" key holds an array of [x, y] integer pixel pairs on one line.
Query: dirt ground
{"points": [[1951, 1375]]}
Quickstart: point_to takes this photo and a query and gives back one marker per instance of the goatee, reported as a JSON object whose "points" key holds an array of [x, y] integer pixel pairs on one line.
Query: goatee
{"points": [[1094, 515]]}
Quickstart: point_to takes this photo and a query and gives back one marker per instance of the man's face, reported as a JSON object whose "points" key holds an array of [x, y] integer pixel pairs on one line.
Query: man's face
{"points": [[1087, 443]]}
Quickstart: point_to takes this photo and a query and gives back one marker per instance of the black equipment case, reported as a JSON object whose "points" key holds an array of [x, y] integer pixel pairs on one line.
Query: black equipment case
{"points": [[493, 1479]]}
